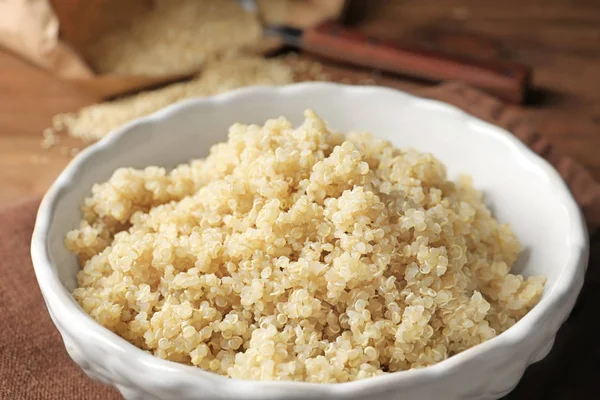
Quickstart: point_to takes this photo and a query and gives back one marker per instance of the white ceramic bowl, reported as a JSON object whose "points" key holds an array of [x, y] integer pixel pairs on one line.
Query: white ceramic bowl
{"points": [[520, 187]]}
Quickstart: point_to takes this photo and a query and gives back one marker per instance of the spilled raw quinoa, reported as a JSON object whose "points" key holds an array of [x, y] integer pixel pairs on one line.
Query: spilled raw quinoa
{"points": [[95, 121], [299, 254]]}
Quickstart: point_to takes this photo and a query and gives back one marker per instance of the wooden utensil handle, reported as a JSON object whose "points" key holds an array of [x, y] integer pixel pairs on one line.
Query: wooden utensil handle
{"points": [[507, 81]]}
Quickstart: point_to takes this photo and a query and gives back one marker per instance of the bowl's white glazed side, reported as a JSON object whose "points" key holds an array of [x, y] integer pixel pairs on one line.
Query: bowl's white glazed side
{"points": [[521, 189]]}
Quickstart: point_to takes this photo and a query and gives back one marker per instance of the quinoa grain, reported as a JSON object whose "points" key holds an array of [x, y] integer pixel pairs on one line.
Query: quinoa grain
{"points": [[174, 36], [299, 254], [93, 122]]}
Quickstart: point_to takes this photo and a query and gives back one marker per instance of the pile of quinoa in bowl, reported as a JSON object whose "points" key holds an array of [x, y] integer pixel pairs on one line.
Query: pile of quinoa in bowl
{"points": [[299, 254]]}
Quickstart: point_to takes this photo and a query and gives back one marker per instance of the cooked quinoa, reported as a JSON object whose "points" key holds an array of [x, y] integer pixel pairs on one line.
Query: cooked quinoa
{"points": [[299, 254]]}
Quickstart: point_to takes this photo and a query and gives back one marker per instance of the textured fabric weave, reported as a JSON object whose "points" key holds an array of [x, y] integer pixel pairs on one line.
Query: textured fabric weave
{"points": [[33, 361]]}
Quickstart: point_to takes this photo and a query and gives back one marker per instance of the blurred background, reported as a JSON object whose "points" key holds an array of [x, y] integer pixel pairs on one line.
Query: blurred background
{"points": [[73, 70], [57, 56]]}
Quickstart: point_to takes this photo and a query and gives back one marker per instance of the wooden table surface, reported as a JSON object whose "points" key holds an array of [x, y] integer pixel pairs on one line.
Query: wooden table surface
{"points": [[559, 39]]}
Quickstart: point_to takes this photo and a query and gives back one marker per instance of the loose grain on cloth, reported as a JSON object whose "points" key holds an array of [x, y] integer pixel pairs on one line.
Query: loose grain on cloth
{"points": [[34, 364]]}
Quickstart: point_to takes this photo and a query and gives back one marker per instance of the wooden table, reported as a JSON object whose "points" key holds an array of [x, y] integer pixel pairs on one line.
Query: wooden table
{"points": [[559, 39]]}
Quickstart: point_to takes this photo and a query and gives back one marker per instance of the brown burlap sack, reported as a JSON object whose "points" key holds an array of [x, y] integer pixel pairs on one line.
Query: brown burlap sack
{"points": [[35, 365]]}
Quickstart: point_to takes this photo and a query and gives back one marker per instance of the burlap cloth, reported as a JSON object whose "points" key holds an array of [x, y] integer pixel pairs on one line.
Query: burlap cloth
{"points": [[34, 364]]}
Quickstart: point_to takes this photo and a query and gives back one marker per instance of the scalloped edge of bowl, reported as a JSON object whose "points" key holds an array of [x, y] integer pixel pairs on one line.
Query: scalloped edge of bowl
{"points": [[57, 297]]}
